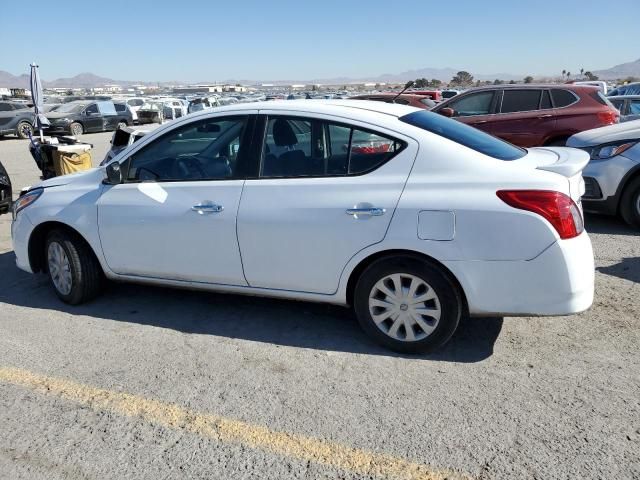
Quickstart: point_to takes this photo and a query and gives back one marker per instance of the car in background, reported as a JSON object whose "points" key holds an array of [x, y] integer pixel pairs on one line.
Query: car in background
{"points": [[612, 176], [604, 88], [628, 106], [152, 111], [418, 101], [202, 103], [84, 116], [628, 89], [134, 104], [435, 95], [531, 115], [16, 119], [121, 139], [411, 218], [6, 194], [125, 114]]}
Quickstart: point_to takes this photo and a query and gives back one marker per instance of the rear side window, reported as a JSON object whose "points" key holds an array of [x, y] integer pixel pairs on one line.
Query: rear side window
{"points": [[303, 147], [599, 97], [562, 98], [520, 100], [120, 107], [464, 135]]}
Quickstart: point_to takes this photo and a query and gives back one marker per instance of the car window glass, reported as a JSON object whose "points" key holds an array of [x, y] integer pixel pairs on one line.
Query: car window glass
{"points": [[634, 107], [120, 107], [5, 107], [617, 103], [474, 104], [296, 147], [545, 103], [93, 108], [135, 102], [562, 98], [520, 100], [203, 150]]}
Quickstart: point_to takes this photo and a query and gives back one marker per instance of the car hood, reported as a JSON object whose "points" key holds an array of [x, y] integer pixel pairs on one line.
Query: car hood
{"points": [[612, 133], [92, 176]]}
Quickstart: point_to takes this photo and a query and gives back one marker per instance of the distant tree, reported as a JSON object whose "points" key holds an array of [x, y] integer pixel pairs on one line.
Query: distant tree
{"points": [[512, 82], [590, 76], [564, 72], [314, 88], [630, 80], [478, 82], [528, 79], [568, 75], [421, 83], [581, 72], [462, 78], [435, 83], [497, 81]]}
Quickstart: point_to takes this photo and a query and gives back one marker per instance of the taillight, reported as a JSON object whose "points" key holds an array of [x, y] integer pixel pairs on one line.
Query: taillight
{"points": [[608, 117], [559, 209]]}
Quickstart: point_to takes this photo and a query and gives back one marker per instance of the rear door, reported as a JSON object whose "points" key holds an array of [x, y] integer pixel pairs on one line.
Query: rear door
{"points": [[525, 117], [475, 109], [325, 190]]}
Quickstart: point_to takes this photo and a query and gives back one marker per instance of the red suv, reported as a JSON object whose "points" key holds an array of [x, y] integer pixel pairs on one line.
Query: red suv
{"points": [[532, 115]]}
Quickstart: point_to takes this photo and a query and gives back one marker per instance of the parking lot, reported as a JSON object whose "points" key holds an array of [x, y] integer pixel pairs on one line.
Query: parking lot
{"points": [[157, 383]]}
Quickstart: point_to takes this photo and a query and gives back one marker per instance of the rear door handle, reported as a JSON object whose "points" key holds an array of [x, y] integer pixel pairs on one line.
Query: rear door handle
{"points": [[369, 212], [548, 115], [481, 122], [203, 208]]}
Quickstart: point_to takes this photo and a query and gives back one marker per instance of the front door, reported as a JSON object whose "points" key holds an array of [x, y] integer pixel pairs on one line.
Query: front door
{"points": [[174, 217], [92, 119], [475, 109], [325, 190]]}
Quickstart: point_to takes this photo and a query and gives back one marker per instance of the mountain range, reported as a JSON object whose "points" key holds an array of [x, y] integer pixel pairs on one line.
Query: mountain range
{"points": [[88, 80]]}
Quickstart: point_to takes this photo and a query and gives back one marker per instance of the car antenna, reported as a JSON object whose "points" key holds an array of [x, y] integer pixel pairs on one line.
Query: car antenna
{"points": [[407, 85]]}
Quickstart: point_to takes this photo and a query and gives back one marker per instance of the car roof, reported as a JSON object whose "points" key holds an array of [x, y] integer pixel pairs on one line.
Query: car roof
{"points": [[526, 86]]}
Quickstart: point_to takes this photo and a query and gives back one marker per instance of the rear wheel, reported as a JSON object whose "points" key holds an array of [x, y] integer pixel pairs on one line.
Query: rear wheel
{"points": [[630, 203], [24, 130], [74, 271], [76, 129], [121, 124], [407, 304]]}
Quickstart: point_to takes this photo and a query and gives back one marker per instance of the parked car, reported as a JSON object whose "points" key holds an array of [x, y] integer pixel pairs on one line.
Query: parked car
{"points": [[204, 103], [418, 101], [134, 104], [628, 106], [435, 95], [152, 111], [121, 139], [5, 191], [125, 114], [612, 177], [84, 116], [16, 119], [604, 88], [532, 115], [411, 218], [628, 89]]}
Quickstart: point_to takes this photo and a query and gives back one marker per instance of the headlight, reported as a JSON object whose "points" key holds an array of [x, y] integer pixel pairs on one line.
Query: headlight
{"points": [[604, 152], [25, 200]]}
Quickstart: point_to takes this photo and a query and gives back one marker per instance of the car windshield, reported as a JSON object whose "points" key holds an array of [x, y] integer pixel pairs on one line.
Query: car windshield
{"points": [[464, 135], [70, 108]]}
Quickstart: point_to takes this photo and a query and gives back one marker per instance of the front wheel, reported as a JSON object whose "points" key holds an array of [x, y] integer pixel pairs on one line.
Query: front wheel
{"points": [[74, 271], [407, 304], [76, 129], [24, 130], [630, 203]]}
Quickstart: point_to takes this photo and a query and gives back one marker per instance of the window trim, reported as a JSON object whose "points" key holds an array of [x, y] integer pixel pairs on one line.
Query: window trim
{"points": [[266, 117], [245, 144]]}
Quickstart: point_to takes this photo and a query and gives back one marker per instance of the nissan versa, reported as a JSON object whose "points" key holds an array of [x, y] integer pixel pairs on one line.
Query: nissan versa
{"points": [[410, 217]]}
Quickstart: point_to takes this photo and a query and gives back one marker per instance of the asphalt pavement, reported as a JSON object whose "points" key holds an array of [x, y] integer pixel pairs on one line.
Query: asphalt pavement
{"points": [[154, 383]]}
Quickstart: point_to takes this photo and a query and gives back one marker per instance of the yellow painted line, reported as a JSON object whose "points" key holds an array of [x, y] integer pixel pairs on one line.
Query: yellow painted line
{"points": [[223, 429]]}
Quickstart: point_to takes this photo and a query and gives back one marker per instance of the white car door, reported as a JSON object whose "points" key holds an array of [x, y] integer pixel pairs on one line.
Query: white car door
{"points": [[174, 217], [325, 191]]}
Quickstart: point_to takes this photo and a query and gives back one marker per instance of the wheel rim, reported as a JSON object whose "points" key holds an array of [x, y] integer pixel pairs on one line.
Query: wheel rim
{"points": [[26, 129], [121, 125], [59, 268], [77, 130], [404, 307]]}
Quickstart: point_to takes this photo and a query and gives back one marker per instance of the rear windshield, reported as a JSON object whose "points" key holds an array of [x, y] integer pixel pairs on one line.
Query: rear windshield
{"points": [[464, 135]]}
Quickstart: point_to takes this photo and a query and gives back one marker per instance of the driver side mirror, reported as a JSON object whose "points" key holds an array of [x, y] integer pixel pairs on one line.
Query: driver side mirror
{"points": [[114, 174], [447, 112]]}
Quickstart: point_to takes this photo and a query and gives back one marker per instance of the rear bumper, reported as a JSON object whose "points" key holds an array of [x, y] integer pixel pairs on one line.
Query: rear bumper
{"points": [[559, 281]]}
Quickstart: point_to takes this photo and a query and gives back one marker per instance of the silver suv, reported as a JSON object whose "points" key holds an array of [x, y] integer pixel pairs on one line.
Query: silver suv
{"points": [[612, 177]]}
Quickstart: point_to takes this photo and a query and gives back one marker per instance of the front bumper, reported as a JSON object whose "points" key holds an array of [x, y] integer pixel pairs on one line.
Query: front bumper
{"points": [[559, 281], [21, 229], [58, 129]]}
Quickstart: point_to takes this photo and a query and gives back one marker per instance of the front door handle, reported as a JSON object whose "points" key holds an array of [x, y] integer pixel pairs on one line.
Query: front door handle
{"points": [[368, 212], [547, 115], [203, 208]]}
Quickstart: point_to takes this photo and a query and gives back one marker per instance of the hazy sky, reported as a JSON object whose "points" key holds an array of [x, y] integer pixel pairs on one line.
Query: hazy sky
{"points": [[194, 40]]}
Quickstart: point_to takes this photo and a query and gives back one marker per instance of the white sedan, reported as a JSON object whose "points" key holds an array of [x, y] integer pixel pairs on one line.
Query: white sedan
{"points": [[411, 218]]}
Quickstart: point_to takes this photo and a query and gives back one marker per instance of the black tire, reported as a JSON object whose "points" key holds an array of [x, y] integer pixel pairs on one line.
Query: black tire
{"points": [[122, 124], [449, 296], [630, 203], [76, 129], [24, 129], [558, 142], [86, 273]]}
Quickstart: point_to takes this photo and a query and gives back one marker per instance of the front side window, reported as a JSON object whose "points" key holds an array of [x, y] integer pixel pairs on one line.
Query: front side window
{"points": [[5, 107], [204, 150], [93, 108], [302, 147], [520, 101], [474, 104]]}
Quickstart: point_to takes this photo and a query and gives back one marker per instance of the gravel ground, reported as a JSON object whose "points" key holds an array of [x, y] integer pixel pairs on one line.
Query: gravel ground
{"points": [[507, 398]]}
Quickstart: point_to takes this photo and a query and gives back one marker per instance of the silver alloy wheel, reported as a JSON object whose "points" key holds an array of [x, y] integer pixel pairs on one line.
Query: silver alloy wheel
{"points": [[638, 205], [404, 307], [59, 268], [76, 129]]}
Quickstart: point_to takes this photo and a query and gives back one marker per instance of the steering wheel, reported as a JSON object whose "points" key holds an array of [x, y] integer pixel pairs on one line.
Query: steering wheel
{"points": [[189, 167]]}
